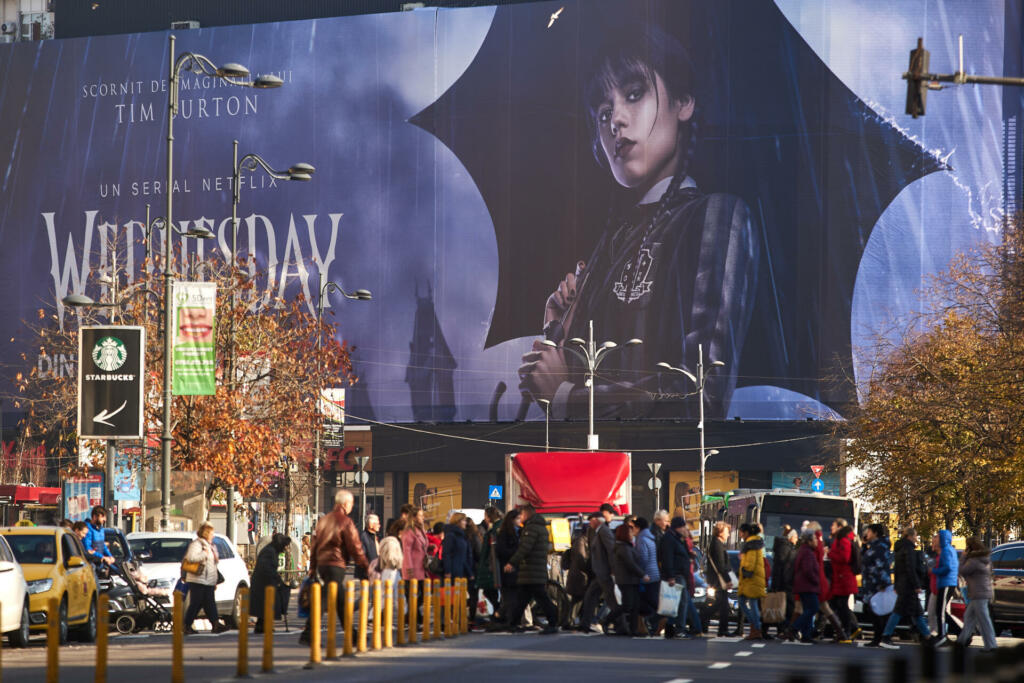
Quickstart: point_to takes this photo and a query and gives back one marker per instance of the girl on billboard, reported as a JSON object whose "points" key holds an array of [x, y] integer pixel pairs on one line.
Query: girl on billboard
{"points": [[675, 267]]}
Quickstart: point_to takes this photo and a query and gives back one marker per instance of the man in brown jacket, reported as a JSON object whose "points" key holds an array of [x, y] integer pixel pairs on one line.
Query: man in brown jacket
{"points": [[334, 548]]}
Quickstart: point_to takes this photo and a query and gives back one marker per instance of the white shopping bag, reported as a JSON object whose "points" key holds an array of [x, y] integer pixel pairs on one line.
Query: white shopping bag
{"points": [[668, 599]]}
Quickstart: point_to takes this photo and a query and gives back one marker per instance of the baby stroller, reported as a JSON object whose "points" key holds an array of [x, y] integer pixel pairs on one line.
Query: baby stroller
{"points": [[132, 609]]}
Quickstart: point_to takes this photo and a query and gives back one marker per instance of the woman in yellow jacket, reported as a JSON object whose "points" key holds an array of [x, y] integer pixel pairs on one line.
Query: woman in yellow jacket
{"points": [[753, 585]]}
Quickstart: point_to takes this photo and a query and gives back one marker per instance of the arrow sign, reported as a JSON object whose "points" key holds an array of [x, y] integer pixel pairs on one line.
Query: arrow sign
{"points": [[111, 369], [817, 486], [104, 416], [817, 469]]}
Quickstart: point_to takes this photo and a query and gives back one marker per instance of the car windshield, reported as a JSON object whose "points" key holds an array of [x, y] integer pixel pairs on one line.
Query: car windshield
{"points": [[33, 548], [114, 543], [161, 549]]}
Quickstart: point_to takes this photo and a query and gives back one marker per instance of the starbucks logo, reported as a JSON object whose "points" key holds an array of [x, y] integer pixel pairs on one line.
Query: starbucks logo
{"points": [[109, 353]]}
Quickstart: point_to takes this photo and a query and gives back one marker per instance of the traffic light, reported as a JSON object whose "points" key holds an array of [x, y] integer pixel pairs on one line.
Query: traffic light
{"points": [[917, 85]]}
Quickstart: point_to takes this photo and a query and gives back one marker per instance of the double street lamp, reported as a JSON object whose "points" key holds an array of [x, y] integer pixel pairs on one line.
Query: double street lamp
{"points": [[234, 74], [591, 356], [249, 162], [357, 295], [699, 380]]}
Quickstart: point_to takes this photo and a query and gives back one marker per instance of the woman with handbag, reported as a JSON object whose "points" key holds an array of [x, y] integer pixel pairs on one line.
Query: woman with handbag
{"points": [[718, 576], [201, 575]]}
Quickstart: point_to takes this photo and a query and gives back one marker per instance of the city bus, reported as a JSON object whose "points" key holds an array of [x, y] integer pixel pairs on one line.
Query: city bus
{"points": [[772, 508]]}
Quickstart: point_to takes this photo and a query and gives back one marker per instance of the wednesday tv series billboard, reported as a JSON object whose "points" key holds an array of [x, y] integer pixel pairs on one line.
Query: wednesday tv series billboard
{"points": [[736, 177]]}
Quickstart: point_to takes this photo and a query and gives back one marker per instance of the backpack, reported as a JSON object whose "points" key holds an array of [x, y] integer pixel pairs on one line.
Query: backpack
{"points": [[856, 564]]}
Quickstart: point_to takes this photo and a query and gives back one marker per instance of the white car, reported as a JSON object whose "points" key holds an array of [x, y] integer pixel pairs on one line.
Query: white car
{"points": [[14, 613], [161, 554]]}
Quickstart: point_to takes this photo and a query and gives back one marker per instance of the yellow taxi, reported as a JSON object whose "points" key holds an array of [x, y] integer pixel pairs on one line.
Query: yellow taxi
{"points": [[55, 566]]}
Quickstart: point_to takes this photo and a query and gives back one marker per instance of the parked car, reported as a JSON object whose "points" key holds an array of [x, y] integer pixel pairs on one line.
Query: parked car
{"points": [[1007, 605], [55, 566], [161, 554], [14, 603]]}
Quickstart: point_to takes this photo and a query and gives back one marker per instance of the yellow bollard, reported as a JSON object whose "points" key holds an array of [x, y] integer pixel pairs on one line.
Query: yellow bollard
{"points": [[437, 608], [364, 612], [377, 643], [460, 605], [350, 605], [102, 624], [268, 629], [178, 640], [446, 605], [314, 625], [428, 613], [332, 620], [401, 611], [389, 607], [468, 608], [52, 642], [242, 670]]}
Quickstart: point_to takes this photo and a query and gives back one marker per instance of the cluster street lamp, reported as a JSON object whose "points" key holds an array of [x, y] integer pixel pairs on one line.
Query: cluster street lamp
{"points": [[591, 356], [325, 289], [250, 162], [699, 381], [234, 74], [546, 405]]}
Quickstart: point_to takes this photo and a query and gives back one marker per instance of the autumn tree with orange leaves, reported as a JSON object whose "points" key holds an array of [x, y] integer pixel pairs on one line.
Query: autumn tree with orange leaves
{"points": [[263, 414], [939, 432]]}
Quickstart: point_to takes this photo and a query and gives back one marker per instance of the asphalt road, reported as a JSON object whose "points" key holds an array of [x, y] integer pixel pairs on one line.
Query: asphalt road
{"points": [[529, 658]]}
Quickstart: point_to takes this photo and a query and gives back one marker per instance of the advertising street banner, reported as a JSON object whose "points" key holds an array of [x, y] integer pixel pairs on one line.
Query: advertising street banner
{"points": [[81, 494], [332, 407], [737, 174], [111, 376], [193, 312], [126, 470]]}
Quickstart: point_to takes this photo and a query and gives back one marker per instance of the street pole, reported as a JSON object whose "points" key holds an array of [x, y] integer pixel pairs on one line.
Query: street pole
{"points": [[165, 436], [361, 460], [546, 404], [111, 503]]}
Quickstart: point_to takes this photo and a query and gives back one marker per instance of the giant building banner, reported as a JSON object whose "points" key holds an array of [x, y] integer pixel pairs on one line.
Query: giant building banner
{"points": [[737, 175]]}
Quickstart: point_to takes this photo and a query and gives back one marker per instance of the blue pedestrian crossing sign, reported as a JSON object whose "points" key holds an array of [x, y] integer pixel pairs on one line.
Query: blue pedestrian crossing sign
{"points": [[494, 492], [817, 486]]}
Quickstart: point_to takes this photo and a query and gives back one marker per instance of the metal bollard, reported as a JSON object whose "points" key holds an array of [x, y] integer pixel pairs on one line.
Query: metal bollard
{"points": [[929, 665], [389, 606], [332, 620], [52, 642], [178, 640], [364, 612], [377, 628], [428, 612], [314, 625], [350, 605], [437, 608], [899, 670], [400, 636], [853, 673], [242, 669], [102, 625], [446, 607], [268, 629]]}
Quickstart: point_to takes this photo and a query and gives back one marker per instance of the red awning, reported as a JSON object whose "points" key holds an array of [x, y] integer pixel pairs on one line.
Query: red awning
{"points": [[30, 494], [572, 482]]}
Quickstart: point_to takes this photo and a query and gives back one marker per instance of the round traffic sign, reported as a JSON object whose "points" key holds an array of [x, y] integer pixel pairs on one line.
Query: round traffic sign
{"points": [[362, 477], [654, 483]]}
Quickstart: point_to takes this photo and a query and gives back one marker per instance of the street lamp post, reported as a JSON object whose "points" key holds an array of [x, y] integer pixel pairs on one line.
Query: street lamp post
{"points": [[591, 356], [546, 405], [361, 460], [699, 381], [235, 75], [300, 171], [358, 295]]}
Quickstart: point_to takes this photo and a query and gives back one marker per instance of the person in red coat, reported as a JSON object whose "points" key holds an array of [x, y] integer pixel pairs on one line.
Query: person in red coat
{"points": [[844, 580]]}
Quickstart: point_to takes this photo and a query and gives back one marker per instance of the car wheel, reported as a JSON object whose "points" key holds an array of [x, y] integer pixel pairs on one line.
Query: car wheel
{"points": [[19, 638], [232, 620], [62, 620], [86, 633]]}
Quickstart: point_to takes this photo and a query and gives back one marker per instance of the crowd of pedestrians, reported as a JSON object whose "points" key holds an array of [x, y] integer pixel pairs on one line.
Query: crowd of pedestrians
{"points": [[617, 573]]}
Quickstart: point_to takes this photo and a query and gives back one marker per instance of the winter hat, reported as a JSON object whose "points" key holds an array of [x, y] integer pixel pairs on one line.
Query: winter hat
{"points": [[678, 522]]}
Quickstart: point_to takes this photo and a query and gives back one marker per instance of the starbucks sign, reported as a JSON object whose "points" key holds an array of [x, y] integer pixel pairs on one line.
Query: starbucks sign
{"points": [[110, 382]]}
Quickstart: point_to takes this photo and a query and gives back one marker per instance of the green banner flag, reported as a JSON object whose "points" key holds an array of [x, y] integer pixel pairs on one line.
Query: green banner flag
{"points": [[193, 313]]}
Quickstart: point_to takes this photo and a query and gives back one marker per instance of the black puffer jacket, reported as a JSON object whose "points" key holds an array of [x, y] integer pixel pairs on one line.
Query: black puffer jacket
{"points": [[783, 555], [507, 544], [531, 558], [673, 556]]}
